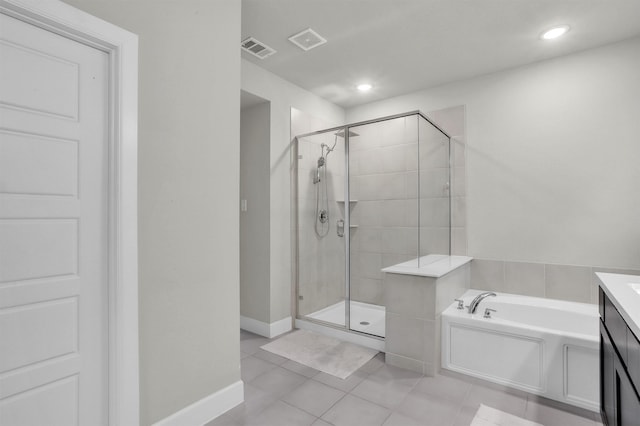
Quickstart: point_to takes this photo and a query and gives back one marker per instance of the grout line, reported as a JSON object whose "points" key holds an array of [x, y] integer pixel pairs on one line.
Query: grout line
{"points": [[297, 408], [333, 405], [461, 405], [387, 418]]}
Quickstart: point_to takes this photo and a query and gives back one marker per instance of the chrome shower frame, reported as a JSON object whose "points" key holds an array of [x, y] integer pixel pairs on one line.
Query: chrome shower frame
{"points": [[345, 131]]}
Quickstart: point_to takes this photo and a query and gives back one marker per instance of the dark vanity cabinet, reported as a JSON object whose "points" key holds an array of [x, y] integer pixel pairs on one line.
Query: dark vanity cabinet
{"points": [[619, 368]]}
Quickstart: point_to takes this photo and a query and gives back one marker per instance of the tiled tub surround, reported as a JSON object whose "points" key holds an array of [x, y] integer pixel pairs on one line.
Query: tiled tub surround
{"points": [[564, 282], [546, 347], [414, 304]]}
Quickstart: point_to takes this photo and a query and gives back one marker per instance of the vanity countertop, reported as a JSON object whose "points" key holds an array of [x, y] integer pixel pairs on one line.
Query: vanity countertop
{"points": [[624, 293]]}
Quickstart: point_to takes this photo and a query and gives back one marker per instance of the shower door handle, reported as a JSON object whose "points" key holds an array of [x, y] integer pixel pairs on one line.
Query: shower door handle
{"points": [[340, 228]]}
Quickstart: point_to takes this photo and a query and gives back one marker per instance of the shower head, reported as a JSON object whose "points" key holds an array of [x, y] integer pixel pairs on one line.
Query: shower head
{"points": [[321, 162], [351, 133]]}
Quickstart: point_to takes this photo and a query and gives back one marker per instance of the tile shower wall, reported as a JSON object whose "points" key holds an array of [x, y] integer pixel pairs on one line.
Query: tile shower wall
{"points": [[383, 167], [399, 170], [383, 163], [566, 282]]}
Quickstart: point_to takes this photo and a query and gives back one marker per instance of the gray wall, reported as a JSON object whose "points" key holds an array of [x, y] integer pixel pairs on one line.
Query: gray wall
{"points": [[189, 106], [282, 96], [552, 164], [254, 223]]}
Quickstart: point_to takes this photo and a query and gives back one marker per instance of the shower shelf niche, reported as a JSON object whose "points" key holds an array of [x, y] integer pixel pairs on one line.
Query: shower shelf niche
{"points": [[350, 204]]}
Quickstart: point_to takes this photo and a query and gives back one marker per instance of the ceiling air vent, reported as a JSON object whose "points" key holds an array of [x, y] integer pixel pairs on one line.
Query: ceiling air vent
{"points": [[256, 48], [307, 39]]}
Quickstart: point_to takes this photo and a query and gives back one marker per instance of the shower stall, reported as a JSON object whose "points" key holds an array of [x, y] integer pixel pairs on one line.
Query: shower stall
{"points": [[366, 196]]}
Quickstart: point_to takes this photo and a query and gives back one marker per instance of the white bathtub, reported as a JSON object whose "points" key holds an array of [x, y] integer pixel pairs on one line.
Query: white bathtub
{"points": [[542, 346]]}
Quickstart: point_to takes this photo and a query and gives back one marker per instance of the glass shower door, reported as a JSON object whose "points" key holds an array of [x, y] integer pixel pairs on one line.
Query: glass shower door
{"points": [[383, 188], [321, 226], [368, 196]]}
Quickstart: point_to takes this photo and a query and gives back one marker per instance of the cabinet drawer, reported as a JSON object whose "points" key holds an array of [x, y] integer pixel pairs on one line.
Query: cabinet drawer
{"points": [[617, 328], [633, 357]]}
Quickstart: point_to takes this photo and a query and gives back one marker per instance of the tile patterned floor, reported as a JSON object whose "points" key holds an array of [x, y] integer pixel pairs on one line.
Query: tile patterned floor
{"points": [[280, 392]]}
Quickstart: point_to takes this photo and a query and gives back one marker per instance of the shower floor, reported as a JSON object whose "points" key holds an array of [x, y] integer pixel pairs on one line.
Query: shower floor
{"points": [[365, 317]]}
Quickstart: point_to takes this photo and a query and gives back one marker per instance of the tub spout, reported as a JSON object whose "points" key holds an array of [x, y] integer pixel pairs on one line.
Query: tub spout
{"points": [[475, 302]]}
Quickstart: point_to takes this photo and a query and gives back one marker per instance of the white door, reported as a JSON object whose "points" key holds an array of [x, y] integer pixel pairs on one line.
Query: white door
{"points": [[53, 229]]}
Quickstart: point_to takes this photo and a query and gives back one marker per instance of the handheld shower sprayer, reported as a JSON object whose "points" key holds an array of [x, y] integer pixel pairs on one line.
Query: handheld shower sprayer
{"points": [[321, 162], [322, 197]]}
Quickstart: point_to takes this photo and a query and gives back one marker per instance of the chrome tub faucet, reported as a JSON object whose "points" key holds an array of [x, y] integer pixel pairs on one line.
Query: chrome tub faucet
{"points": [[479, 298]]}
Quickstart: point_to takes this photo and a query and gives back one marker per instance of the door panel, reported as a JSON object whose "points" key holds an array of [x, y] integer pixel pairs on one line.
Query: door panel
{"points": [[38, 331], [41, 248], [321, 240], [53, 223], [23, 156], [55, 402], [32, 72]]}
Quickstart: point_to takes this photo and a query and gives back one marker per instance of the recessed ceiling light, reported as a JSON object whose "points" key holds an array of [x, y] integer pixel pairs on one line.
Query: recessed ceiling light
{"points": [[555, 32], [364, 87]]}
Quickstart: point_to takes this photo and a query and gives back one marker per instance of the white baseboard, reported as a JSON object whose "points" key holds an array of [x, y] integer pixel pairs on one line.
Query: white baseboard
{"points": [[265, 329], [280, 327], [208, 408], [254, 326]]}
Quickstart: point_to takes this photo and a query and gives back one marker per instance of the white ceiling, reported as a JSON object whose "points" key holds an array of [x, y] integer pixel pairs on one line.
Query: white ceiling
{"points": [[401, 46]]}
